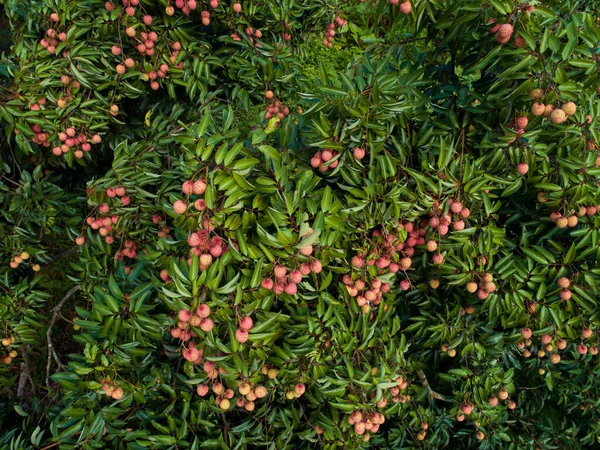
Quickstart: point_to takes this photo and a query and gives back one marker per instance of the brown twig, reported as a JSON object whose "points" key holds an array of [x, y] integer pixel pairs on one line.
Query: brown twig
{"points": [[25, 373], [432, 393], [51, 352]]}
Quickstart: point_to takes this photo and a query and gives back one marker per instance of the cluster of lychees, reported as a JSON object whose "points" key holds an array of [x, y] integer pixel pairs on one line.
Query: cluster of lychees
{"points": [[165, 230], [441, 222], [485, 287], [365, 423], [329, 31], [325, 159], [366, 293], [7, 359], [502, 394], [190, 187], [70, 142], [19, 259], [275, 108], [190, 321], [288, 283], [52, 36], [295, 391], [548, 344], [111, 389], [502, 31], [573, 219], [205, 248], [519, 124], [555, 115], [104, 223], [248, 392]]}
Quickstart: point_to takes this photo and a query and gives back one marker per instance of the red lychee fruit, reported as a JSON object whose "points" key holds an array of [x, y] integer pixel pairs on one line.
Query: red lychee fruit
{"points": [[316, 266], [184, 315], [306, 251], [187, 187], [291, 289], [538, 109], [359, 153], [267, 283], [280, 272], [405, 8], [563, 282], [80, 240], [203, 310], [199, 187], [299, 389], [566, 294], [521, 122], [202, 390], [296, 276], [558, 116], [246, 323], [526, 333], [180, 207], [207, 325], [241, 335], [522, 168]]}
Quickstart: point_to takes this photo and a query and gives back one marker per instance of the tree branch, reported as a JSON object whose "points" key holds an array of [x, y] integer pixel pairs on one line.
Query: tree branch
{"points": [[432, 394], [25, 373], [51, 352]]}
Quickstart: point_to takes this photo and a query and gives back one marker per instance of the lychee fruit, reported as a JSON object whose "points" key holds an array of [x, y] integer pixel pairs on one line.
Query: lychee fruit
{"points": [[569, 108], [180, 207], [558, 116]]}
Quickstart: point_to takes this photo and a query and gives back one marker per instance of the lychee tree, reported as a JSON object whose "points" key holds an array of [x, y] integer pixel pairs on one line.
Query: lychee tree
{"points": [[393, 248]]}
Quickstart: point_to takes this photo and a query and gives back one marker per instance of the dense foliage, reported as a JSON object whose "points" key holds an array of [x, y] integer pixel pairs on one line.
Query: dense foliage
{"points": [[300, 224]]}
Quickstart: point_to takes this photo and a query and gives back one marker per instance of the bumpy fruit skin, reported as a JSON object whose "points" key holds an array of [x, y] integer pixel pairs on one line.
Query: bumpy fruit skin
{"points": [[569, 108], [405, 8], [563, 282], [521, 122], [179, 207], [246, 323], [202, 390], [526, 333], [558, 116], [562, 222], [538, 109], [566, 294], [199, 187], [207, 325], [203, 310]]}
